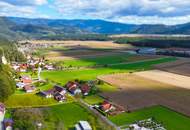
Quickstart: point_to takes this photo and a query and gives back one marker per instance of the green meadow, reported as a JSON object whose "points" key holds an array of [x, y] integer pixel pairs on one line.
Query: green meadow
{"points": [[90, 74], [171, 120]]}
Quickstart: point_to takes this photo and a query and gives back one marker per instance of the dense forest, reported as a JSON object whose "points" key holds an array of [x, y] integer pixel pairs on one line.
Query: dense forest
{"points": [[82, 37], [161, 42], [10, 51], [7, 83]]}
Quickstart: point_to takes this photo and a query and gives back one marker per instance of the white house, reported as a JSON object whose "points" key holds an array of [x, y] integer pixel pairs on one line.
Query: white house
{"points": [[83, 125]]}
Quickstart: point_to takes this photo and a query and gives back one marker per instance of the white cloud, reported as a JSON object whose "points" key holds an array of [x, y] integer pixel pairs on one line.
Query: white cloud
{"points": [[25, 2], [7, 9], [127, 11], [152, 19]]}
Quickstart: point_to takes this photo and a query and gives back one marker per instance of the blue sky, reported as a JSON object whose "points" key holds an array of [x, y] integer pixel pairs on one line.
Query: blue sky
{"points": [[167, 12]]}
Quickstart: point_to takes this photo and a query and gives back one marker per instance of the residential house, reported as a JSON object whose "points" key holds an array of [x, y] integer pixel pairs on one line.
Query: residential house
{"points": [[57, 92], [106, 106], [83, 125], [73, 88], [60, 89], [47, 94], [59, 97], [20, 85], [29, 88], [85, 89], [8, 124], [23, 67], [49, 67], [26, 80]]}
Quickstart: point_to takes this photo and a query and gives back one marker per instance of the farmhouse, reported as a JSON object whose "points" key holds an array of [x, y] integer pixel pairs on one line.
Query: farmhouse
{"points": [[47, 94], [83, 125], [73, 87], [60, 90], [5, 124], [85, 89], [106, 106], [26, 80], [8, 124], [57, 92], [59, 97], [29, 88], [20, 85], [23, 67]]}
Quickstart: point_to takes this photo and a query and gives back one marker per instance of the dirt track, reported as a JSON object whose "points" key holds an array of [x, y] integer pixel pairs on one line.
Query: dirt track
{"points": [[136, 92]]}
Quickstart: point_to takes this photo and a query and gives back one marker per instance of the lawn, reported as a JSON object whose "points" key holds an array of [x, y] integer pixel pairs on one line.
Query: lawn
{"points": [[69, 115], [31, 100], [93, 99], [101, 60], [171, 120], [106, 88], [90, 74]]}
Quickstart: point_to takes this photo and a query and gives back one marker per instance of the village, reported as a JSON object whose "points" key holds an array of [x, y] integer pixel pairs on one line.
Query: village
{"points": [[98, 83]]}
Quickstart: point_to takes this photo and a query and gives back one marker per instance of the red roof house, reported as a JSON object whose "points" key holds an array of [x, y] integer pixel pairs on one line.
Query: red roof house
{"points": [[26, 79], [106, 106], [72, 87], [85, 88], [29, 88]]}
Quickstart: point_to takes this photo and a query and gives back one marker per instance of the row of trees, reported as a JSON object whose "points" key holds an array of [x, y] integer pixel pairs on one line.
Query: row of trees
{"points": [[10, 51], [156, 42], [7, 83]]}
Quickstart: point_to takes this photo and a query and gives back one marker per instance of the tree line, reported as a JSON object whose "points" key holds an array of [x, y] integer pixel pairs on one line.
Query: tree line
{"points": [[7, 83], [156, 42]]}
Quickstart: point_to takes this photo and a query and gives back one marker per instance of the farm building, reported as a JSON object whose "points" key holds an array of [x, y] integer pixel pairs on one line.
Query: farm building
{"points": [[57, 92], [29, 88], [106, 106], [26, 80], [73, 88], [85, 89], [8, 124], [151, 51]]}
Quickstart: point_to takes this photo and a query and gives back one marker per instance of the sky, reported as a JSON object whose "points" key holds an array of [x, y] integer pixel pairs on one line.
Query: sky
{"points": [[169, 12]]}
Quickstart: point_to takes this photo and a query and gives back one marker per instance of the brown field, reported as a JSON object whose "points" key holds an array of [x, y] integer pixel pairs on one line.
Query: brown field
{"points": [[89, 44], [166, 77], [181, 67], [80, 53], [136, 92]]}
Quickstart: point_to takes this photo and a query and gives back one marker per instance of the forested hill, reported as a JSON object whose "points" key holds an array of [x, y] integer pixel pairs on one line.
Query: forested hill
{"points": [[10, 51], [14, 28], [105, 27]]}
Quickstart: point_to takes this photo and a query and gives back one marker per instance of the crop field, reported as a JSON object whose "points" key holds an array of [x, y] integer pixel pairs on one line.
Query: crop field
{"points": [[166, 77], [171, 120], [64, 76], [181, 67], [106, 60], [137, 92], [87, 44]]}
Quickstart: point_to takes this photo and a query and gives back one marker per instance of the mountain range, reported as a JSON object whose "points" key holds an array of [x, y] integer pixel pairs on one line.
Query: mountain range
{"points": [[18, 28]]}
